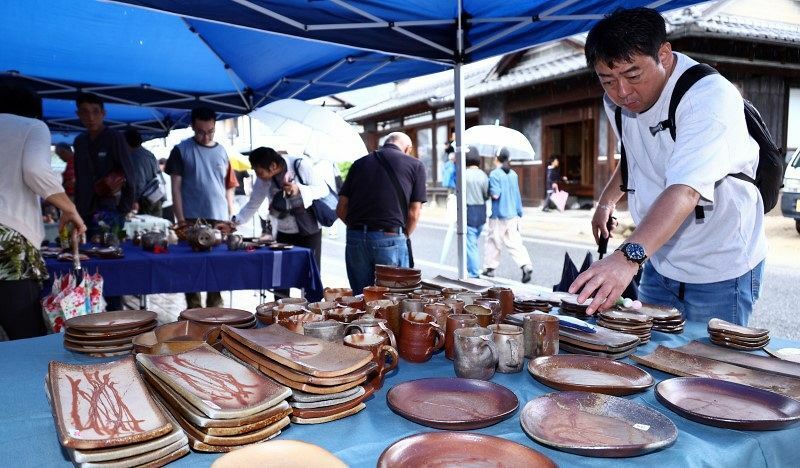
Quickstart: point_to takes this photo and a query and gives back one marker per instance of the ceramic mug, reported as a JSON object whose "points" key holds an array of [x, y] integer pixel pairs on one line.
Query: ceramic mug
{"points": [[493, 305], [412, 305], [322, 308], [328, 330], [284, 311], [387, 310], [301, 301], [373, 326], [420, 336], [397, 298], [439, 311], [454, 322], [432, 298], [449, 293], [506, 298], [468, 297], [356, 302], [376, 344], [415, 294], [331, 294], [264, 313], [344, 314], [374, 293], [510, 350], [296, 323], [475, 353], [456, 304], [484, 314], [541, 335]]}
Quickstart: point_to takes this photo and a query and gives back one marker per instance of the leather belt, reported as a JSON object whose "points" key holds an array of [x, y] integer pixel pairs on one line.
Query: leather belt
{"points": [[394, 230]]}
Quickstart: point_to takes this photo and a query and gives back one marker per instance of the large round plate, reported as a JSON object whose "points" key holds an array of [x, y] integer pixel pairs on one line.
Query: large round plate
{"points": [[217, 315], [111, 321], [596, 425], [727, 404], [589, 373], [438, 449], [452, 403]]}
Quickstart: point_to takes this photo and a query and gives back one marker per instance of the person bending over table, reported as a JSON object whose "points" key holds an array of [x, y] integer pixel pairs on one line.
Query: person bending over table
{"points": [[26, 176]]}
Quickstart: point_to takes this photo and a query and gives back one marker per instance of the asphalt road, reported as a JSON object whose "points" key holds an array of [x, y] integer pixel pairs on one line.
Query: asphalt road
{"points": [[777, 310]]}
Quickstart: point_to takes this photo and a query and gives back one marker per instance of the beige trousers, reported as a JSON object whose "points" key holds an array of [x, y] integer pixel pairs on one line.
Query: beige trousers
{"points": [[504, 232]]}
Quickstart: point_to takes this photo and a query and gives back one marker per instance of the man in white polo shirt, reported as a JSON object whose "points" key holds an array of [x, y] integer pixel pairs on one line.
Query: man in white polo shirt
{"points": [[709, 264]]}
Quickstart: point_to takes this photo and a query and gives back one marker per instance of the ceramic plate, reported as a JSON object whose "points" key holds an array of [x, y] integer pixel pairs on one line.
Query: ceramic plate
{"points": [[441, 449], [333, 417], [752, 361], [786, 354], [564, 346], [726, 404], [304, 397], [217, 315], [103, 405], [111, 321], [279, 454], [218, 386], [596, 425], [588, 373], [452, 403], [721, 326]]}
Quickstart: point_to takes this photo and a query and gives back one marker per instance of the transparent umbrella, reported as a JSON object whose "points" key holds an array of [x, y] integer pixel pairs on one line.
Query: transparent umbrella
{"points": [[321, 133], [490, 139]]}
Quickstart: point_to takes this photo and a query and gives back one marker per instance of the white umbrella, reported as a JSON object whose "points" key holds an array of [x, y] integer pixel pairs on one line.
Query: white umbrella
{"points": [[490, 139], [321, 133]]}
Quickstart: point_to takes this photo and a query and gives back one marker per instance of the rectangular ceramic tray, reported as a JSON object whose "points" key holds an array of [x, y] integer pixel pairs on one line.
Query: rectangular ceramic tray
{"points": [[602, 340], [103, 405], [749, 360]]}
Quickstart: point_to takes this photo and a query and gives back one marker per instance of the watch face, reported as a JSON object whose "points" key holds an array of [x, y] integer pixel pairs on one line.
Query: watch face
{"points": [[635, 252]]}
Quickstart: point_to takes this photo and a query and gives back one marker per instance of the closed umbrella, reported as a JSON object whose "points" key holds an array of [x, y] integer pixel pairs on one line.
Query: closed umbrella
{"points": [[321, 133], [490, 139]]}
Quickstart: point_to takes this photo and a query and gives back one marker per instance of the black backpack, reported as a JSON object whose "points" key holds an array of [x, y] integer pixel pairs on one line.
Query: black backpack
{"points": [[769, 173]]}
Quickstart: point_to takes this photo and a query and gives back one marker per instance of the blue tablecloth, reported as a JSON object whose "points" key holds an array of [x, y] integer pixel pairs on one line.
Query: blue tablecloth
{"points": [[181, 270], [28, 434]]}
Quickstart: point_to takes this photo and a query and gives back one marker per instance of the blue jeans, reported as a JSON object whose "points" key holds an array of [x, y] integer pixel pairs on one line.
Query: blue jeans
{"points": [[731, 300], [473, 258], [366, 249]]}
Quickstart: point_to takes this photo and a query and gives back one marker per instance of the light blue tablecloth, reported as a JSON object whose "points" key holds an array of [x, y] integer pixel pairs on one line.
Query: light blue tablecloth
{"points": [[28, 435]]}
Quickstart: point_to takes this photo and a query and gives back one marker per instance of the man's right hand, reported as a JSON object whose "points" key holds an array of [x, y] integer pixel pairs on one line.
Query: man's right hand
{"points": [[600, 223], [73, 218]]}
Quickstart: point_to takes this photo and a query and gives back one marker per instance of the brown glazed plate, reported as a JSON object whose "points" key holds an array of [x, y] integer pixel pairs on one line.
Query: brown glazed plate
{"points": [[116, 320], [452, 403], [325, 419], [721, 326], [217, 315], [726, 404], [564, 346], [750, 360], [785, 354], [439, 449], [596, 425], [589, 373], [657, 312]]}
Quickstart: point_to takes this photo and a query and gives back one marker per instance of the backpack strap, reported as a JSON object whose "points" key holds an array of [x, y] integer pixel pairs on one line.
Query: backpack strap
{"points": [[685, 81], [623, 160]]}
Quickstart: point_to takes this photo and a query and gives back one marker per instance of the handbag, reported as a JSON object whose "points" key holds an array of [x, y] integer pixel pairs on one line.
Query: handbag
{"points": [[110, 185], [324, 208], [154, 190]]}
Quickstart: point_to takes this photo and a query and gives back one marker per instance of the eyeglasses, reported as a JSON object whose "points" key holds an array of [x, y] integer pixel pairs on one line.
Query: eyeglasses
{"points": [[202, 133]]}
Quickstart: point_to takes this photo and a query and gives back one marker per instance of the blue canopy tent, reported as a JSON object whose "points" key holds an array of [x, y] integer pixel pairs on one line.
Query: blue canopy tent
{"points": [[169, 56]]}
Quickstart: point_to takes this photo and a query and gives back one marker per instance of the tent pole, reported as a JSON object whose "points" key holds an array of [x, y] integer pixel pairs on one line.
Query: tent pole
{"points": [[458, 107]]}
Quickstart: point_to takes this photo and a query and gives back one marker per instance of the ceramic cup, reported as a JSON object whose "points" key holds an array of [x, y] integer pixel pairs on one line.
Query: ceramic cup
{"points": [[420, 336], [456, 304], [415, 294], [344, 314], [374, 293], [484, 314], [328, 330], [322, 308], [506, 298], [330, 294], [264, 313], [475, 354], [397, 298], [356, 302], [451, 292], [468, 297], [493, 305], [376, 344], [387, 310], [432, 298], [541, 335], [301, 301], [439, 311], [454, 322], [373, 326], [413, 305], [284, 311], [510, 347], [296, 323]]}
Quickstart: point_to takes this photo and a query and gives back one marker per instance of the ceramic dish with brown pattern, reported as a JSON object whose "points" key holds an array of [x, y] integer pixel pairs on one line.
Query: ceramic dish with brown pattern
{"points": [[113, 321], [217, 316], [721, 326], [590, 374], [452, 403], [596, 425], [179, 336], [326, 419], [435, 449]]}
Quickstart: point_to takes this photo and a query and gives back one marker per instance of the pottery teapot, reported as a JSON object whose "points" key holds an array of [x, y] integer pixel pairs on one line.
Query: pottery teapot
{"points": [[203, 237], [151, 240]]}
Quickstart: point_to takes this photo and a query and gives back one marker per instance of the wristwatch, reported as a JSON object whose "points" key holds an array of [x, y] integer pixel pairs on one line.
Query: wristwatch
{"points": [[633, 252]]}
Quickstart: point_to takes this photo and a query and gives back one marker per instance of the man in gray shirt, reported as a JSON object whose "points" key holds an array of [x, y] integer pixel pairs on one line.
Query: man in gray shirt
{"points": [[476, 189]]}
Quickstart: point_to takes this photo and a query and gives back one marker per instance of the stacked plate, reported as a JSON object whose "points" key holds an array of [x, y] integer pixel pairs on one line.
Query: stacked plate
{"points": [[221, 404], [217, 316], [329, 375], [571, 306], [665, 318], [736, 336], [105, 416], [397, 279], [529, 303], [175, 337], [603, 342], [627, 322], [107, 333]]}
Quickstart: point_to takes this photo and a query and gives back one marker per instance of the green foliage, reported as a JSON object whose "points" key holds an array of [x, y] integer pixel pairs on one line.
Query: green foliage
{"points": [[344, 168]]}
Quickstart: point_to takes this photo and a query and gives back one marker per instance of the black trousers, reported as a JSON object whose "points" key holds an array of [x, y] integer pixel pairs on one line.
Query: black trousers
{"points": [[21, 314], [311, 241]]}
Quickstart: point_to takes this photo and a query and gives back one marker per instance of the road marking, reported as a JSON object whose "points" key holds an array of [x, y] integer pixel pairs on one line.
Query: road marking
{"points": [[537, 240]]}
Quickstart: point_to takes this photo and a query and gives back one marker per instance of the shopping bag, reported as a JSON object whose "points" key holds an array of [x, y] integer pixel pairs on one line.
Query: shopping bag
{"points": [[69, 298], [559, 199]]}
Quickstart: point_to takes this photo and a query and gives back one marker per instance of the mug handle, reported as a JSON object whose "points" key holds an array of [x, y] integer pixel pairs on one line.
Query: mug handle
{"points": [[439, 339], [541, 331], [389, 334], [492, 348], [385, 349], [350, 326], [513, 346]]}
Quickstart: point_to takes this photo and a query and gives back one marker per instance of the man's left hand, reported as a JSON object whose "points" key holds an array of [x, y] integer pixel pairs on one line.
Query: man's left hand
{"points": [[291, 189], [605, 281]]}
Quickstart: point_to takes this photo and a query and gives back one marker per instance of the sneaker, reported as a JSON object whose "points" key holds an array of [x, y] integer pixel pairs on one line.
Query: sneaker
{"points": [[526, 273], [488, 272]]}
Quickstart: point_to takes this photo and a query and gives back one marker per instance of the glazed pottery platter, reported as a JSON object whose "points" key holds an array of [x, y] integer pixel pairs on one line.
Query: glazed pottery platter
{"points": [[217, 315], [726, 404], [452, 403], [303, 397], [602, 340], [284, 450], [577, 350], [325, 419], [752, 361], [785, 354], [596, 425], [103, 405], [719, 325], [589, 373], [460, 449], [303, 353], [218, 386], [111, 321]]}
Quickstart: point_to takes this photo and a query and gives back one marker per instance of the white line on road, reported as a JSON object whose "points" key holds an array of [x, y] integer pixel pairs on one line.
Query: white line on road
{"points": [[538, 240]]}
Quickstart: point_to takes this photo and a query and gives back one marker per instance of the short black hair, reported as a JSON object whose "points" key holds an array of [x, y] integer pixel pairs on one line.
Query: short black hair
{"points": [[262, 157], [89, 98], [503, 156], [623, 34], [162, 161], [203, 113], [133, 137], [472, 157], [63, 146], [17, 98]]}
